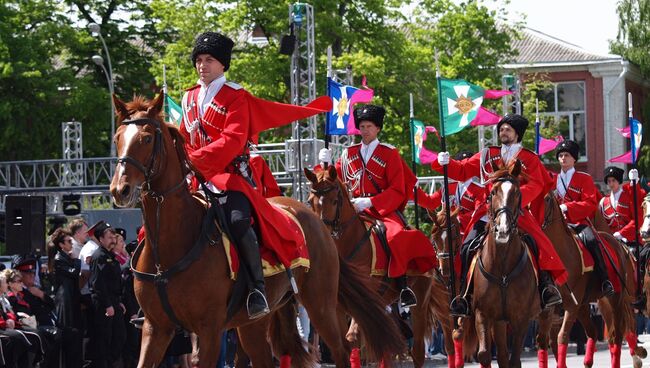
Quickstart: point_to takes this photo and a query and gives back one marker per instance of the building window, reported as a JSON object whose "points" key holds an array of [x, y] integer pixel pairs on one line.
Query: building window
{"points": [[564, 114]]}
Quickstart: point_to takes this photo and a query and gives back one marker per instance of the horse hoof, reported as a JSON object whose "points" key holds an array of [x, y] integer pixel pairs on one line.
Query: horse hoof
{"points": [[641, 352], [637, 362], [484, 358]]}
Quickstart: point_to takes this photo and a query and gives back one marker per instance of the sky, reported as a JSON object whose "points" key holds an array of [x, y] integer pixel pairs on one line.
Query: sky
{"points": [[585, 23]]}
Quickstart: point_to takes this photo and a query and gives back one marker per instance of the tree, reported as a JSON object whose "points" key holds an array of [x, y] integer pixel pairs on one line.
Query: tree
{"points": [[633, 42]]}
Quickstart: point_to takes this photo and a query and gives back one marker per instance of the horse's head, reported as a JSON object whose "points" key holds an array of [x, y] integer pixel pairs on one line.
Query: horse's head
{"points": [[645, 227], [441, 238], [505, 202], [328, 198], [143, 143]]}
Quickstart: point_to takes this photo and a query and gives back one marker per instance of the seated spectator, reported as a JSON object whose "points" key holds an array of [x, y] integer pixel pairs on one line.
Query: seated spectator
{"points": [[64, 272], [31, 336], [32, 301], [17, 349]]}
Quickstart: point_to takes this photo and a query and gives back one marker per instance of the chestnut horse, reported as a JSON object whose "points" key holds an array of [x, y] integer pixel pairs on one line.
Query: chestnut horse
{"points": [[330, 200], [152, 167], [583, 288], [505, 288]]}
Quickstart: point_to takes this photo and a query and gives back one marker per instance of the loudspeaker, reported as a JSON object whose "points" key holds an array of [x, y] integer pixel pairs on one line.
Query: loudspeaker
{"points": [[287, 44], [25, 224]]}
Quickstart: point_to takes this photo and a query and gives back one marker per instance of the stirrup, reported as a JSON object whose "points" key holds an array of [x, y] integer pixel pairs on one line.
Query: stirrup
{"points": [[459, 307], [607, 288], [554, 297], [260, 309], [407, 298]]}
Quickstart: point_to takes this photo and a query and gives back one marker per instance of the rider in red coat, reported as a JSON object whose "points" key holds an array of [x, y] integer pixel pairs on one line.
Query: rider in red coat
{"points": [[375, 173], [263, 177], [578, 197], [618, 206], [533, 188], [220, 120]]}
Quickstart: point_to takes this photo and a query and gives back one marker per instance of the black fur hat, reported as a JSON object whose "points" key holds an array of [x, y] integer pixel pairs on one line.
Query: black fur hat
{"points": [[614, 172], [372, 113], [517, 122], [215, 44], [463, 155], [568, 146]]}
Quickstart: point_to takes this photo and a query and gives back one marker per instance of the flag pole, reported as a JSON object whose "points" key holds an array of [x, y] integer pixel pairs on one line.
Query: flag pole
{"points": [[634, 195], [443, 144], [165, 91], [537, 124], [329, 113], [413, 163]]}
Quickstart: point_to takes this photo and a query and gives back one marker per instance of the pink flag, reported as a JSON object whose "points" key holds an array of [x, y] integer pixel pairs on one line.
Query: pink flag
{"points": [[625, 132], [625, 158], [426, 156], [547, 145], [485, 117], [363, 96], [498, 93]]}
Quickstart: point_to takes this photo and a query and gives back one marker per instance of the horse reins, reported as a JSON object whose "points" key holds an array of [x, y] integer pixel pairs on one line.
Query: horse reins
{"points": [[161, 278]]}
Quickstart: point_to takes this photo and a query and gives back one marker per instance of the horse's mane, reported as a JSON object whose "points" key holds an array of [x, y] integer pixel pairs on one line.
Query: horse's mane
{"points": [[504, 171], [441, 216], [140, 103]]}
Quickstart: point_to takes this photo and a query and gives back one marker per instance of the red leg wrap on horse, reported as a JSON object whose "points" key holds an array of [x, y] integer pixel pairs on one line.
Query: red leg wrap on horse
{"points": [[355, 358], [451, 361], [589, 352], [615, 353], [285, 361], [458, 353], [561, 355], [631, 342], [381, 364], [542, 358]]}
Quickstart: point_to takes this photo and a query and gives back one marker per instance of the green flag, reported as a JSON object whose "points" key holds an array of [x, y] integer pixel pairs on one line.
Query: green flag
{"points": [[173, 111], [417, 138], [460, 103]]}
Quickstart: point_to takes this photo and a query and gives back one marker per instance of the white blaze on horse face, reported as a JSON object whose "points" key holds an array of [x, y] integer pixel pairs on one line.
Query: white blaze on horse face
{"points": [[130, 132], [443, 237], [502, 220]]}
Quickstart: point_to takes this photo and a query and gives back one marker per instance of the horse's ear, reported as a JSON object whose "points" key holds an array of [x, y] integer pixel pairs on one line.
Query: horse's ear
{"points": [[120, 108], [331, 170], [515, 170], [310, 176], [157, 104]]}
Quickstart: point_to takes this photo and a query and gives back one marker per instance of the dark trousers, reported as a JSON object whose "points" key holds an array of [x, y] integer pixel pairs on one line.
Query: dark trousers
{"points": [[108, 337], [465, 254], [72, 347], [16, 349]]}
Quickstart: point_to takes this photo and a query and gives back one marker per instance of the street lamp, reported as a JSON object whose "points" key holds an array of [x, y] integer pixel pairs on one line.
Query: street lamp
{"points": [[97, 59]]}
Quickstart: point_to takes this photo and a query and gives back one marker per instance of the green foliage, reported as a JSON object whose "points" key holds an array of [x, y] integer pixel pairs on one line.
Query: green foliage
{"points": [[46, 76]]}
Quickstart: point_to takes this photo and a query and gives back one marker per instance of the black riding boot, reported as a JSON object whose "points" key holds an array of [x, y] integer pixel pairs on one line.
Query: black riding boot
{"points": [[549, 293], [600, 268], [460, 306], [249, 251], [406, 295]]}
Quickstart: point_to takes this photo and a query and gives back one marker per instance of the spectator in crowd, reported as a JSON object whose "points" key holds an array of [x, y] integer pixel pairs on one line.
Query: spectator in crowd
{"points": [[64, 271], [20, 348], [120, 248], [106, 288], [87, 312], [28, 300], [132, 344], [79, 230]]}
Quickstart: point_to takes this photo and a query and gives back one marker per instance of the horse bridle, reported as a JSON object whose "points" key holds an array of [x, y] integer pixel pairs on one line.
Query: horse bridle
{"points": [[511, 216], [148, 171], [334, 224], [446, 255]]}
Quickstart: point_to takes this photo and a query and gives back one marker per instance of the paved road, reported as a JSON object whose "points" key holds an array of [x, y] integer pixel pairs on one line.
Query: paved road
{"points": [[529, 360]]}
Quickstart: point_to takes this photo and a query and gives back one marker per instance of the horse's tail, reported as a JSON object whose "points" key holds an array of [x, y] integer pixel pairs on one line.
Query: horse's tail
{"points": [[470, 338], [359, 299], [285, 339], [437, 308]]}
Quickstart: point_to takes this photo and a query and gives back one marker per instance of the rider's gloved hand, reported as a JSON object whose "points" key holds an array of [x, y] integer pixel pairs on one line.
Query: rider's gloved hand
{"points": [[443, 158], [563, 207], [620, 237], [361, 204], [325, 156], [633, 175]]}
